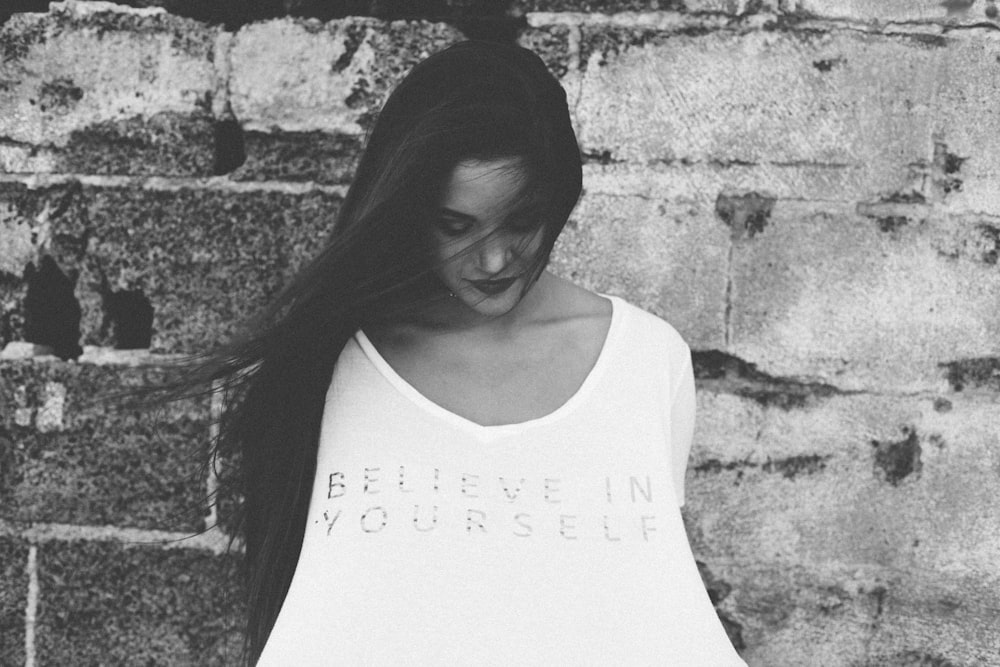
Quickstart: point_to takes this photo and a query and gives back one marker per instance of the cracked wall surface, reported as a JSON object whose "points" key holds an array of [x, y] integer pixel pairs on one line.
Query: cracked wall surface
{"points": [[808, 191]]}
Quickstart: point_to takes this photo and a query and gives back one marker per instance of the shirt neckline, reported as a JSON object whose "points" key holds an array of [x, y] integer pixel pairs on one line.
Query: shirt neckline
{"points": [[492, 431]]}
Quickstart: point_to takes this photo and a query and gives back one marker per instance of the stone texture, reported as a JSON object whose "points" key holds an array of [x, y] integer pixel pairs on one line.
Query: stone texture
{"points": [[106, 603], [967, 125], [553, 45], [205, 259], [210, 259], [75, 455], [926, 12], [794, 509], [18, 241], [666, 258], [24, 216], [596, 6], [853, 616], [303, 75], [846, 101], [233, 13], [746, 98], [808, 486], [974, 373], [731, 7], [938, 619], [16, 250], [299, 156], [834, 296], [68, 104], [13, 597], [700, 184], [163, 144], [833, 182], [917, 11]]}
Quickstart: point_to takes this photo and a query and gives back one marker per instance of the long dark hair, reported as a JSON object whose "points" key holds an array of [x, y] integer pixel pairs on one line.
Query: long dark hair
{"points": [[474, 100]]}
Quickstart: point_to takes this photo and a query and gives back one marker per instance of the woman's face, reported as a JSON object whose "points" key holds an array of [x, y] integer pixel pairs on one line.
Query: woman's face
{"points": [[484, 236]]}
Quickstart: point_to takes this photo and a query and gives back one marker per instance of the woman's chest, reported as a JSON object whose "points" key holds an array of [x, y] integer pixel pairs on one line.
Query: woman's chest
{"points": [[501, 384]]}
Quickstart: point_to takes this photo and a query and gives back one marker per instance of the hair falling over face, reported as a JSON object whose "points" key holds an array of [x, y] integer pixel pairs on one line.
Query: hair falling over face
{"points": [[392, 255]]}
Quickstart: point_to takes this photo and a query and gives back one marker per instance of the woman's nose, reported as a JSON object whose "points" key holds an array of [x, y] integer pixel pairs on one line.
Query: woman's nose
{"points": [[496, 253]]}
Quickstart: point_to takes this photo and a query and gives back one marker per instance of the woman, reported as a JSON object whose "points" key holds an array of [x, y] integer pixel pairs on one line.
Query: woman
{"points": [[448, 454]]}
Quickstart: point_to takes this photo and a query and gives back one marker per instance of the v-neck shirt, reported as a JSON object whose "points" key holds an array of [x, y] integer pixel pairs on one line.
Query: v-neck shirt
{"points": [[434, 540], [491, 432]]}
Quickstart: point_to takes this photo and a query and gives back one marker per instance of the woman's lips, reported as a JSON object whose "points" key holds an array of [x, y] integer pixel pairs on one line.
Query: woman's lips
{"points": [[493, 287]]}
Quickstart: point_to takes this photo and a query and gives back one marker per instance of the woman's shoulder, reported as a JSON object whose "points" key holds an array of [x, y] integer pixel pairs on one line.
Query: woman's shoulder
{"points": [[567, 300], [650, 339], [655, 324], [637, 326]]}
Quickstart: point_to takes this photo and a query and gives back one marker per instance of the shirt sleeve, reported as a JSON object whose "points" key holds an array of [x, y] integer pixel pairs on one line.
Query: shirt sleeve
{"points": [[681, 421]]}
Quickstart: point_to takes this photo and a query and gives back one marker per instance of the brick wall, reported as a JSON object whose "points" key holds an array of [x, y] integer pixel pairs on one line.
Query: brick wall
{"points": [[809, 191]]}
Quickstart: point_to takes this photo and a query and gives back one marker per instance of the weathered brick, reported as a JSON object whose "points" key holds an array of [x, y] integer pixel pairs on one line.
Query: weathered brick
{"points": [[552, 44], [205, 259], [597, 6], [937, 618], [299, 156], [602, 44], [106, 603], [13, 598], [236, 14], [965, 167], [746, 380], [303, 76], [911, 11], [24, 220], [760, 477], [974, 373], [700, 184], [858, 615], [796, 616], [839, 100], [76, 457], [832, 296], [67, 103], [162, 144], [16, 250], [803, 496], [732, 7], [210, 259], [657, 255]]}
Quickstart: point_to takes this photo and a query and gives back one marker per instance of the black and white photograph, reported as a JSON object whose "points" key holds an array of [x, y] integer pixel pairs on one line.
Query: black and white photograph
{"points": [[500, 333]]}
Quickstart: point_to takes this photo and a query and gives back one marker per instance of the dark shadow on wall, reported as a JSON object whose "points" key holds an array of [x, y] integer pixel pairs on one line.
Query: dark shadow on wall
{"points": [[718, 590], [744, 379], [127, 316], [491, 20], [229, 146], [9, 7], [51, 311]]}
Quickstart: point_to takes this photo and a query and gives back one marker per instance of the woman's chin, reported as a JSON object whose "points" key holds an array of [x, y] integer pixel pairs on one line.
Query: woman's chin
{"points": [[490, 306]]}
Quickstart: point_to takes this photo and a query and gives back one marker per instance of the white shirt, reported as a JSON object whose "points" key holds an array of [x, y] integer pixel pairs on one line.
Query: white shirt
{"points": [[432, 540]]}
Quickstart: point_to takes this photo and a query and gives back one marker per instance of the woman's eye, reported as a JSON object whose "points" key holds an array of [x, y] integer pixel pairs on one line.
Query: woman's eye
{"points": [[453, 227]]}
